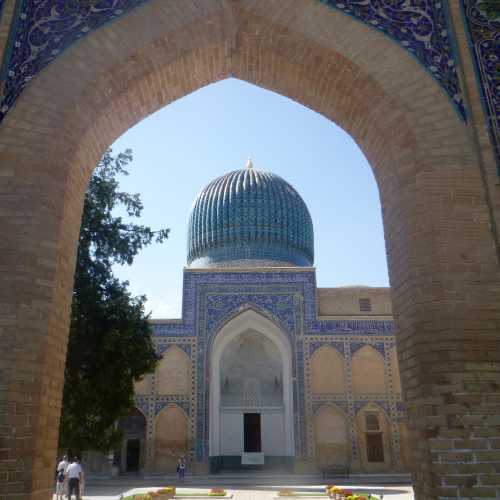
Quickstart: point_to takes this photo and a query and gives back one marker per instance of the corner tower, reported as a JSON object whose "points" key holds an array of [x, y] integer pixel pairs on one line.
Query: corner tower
{"points": [[250, 217]]}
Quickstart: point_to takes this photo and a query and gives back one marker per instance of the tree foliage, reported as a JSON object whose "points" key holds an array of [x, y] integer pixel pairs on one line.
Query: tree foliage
{"points": [[110, 344]]}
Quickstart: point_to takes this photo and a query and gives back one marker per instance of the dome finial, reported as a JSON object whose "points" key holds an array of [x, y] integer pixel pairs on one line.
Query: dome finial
{"points": [[249, 163]]}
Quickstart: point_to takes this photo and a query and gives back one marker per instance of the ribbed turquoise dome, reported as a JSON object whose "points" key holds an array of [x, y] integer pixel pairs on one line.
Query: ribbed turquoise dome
{"points": [[250, 217]]}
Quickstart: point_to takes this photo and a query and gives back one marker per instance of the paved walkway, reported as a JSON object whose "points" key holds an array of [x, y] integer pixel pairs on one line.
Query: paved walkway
{"points": [[113, 491]]}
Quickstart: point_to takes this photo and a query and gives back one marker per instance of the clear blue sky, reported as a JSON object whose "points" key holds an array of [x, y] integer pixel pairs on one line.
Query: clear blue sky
{"points": [[182, 147]]}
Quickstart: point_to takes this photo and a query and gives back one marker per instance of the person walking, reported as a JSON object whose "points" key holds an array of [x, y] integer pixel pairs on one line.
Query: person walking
{"points": [[181, 469], [74, 474], [60, 477]]}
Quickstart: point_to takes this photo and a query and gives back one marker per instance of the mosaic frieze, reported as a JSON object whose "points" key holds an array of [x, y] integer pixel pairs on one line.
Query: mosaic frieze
{"points": [[172, 330], [482, 18], [45, 28], [421, 27], [345, 326]]}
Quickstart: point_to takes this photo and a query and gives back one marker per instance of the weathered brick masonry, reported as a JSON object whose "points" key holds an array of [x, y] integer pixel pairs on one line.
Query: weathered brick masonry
{"points": [[438, 188]]}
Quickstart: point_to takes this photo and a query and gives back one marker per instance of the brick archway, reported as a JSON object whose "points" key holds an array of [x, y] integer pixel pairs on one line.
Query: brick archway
{"points": [[442, 252]]}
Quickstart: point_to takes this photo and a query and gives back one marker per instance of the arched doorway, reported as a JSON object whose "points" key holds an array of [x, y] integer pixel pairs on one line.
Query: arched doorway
{"points": [[251, 395], [131, 456], [438, 202]]}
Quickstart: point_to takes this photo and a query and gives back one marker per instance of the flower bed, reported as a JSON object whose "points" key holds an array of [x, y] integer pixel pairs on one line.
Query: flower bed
{"points": [[217, 492], [286, 493], [162, 493], [338, 493]]}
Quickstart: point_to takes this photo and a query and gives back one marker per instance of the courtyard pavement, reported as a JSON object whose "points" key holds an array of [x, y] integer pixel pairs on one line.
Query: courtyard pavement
{"points": [[113, 489]]}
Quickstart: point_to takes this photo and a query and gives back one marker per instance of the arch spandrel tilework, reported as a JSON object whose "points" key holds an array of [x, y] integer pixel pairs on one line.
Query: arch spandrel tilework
{"points": [[45, 28], [482, 19]]}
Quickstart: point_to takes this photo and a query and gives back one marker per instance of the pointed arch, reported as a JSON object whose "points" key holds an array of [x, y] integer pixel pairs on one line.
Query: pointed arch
{"points": [[173, 373], [327, 371], [251, 320], [418, 148], [331, 436], [374, 438], [249, 306], [171, 437], [368, 371]]}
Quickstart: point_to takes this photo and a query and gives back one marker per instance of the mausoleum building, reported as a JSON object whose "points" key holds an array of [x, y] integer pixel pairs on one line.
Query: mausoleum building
{"points": [[264, 369]]}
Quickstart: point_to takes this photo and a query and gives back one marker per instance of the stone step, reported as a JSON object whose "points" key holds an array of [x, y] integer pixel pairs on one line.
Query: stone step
{"points": [[252, 478]]}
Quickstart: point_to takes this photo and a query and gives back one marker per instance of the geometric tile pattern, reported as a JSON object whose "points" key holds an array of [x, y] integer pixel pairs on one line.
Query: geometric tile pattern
{"points": [[45, 28], [288, 298], [349, 402], [482, 18]]}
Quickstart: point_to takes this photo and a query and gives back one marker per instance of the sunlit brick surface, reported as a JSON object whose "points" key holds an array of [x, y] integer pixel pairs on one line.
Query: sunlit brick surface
{"points": [[437, 184]]}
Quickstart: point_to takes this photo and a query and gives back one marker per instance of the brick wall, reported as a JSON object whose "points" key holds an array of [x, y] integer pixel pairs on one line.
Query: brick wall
{"points": [[438, 195]]}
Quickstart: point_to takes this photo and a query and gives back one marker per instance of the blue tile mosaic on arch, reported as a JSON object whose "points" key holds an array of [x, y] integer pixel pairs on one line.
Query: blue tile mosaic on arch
{"points": [[482, 19], [314, 346], [422, 28], [162, 348], [45, 28]]}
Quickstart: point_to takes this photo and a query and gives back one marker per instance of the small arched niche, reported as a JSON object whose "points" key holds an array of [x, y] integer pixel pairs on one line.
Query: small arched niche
{"points": [[327, 371], [173, 374], [171, 438], [368, 372], [331, 437], [374, 439]]}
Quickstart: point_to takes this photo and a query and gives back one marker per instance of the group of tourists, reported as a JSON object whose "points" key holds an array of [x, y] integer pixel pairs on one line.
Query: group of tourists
{"points": [[69, 479]]}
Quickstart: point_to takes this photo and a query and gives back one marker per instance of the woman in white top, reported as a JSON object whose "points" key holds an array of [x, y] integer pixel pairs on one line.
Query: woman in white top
{"points": [[60, 477]]}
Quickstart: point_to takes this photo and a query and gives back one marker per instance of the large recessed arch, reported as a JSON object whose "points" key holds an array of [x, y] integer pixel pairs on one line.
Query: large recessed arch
{"points": [[442, 251], [250, 320]]}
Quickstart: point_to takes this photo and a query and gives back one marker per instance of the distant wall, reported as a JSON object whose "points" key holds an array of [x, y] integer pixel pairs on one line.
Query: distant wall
{"points": [[345, 301]]}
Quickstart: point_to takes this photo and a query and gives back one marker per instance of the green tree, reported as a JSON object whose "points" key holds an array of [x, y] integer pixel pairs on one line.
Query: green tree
{"points": [[110, 344]]}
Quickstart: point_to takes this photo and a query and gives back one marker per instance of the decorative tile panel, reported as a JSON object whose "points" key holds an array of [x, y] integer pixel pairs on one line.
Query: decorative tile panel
{"points": [[172, 400], [162, 348], [482, 19], [314, 346], [45, 28], [287, 297], [346, 326], [420, 27]]}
